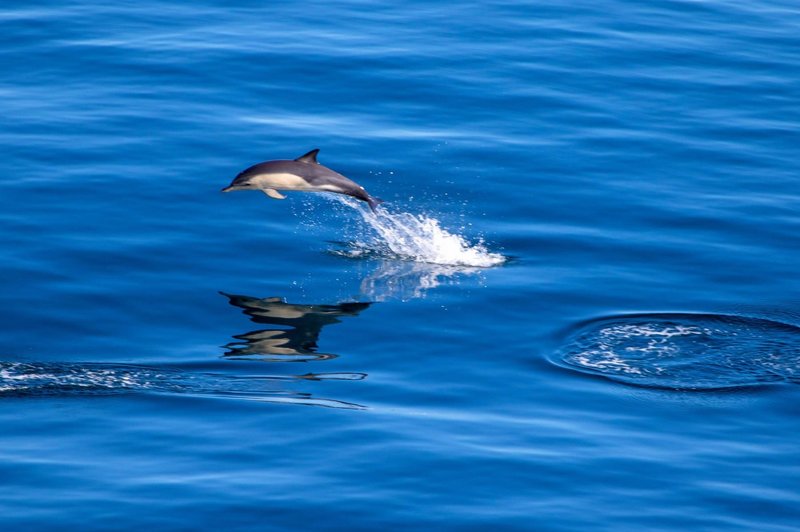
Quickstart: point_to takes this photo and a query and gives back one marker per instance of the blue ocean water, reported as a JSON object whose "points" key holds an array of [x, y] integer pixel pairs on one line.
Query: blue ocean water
{"points": [[579, 308]]}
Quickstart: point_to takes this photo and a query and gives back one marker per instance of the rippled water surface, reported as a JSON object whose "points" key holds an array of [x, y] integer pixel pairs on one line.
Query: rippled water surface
{"points": [[578, 308], [686, 351]]}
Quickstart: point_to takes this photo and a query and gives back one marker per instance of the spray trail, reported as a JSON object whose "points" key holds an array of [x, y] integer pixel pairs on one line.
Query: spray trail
{"points": [[418, 238]]}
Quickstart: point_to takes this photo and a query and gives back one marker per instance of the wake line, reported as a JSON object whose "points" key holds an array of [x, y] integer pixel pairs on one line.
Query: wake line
{"points": [[25, 379]]}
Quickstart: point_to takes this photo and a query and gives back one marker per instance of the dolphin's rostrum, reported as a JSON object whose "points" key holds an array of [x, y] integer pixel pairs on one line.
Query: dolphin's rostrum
{"points": [[303, 173]]}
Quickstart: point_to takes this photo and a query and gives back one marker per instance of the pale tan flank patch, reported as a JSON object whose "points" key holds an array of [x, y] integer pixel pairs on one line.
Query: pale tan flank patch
{"points": [[282, 181], [287, 182]]}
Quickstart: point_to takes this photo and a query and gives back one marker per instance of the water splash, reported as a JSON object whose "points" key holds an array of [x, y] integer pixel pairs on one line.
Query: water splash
{"points": [[414, 237]]}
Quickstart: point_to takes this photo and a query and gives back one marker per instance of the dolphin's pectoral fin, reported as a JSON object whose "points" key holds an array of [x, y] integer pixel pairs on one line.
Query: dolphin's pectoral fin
{"points": [[272, 193]]}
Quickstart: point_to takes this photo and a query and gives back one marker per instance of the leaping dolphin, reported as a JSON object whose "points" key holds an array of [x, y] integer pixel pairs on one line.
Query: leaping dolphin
{"points": [[303, 173]]}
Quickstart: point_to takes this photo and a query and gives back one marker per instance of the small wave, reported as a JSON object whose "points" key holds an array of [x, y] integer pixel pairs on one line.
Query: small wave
{"points": [[685, 351], [414, 237]]}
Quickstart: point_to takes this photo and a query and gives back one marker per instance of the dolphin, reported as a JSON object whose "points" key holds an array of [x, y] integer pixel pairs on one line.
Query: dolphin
{"points": [[303, 173]]}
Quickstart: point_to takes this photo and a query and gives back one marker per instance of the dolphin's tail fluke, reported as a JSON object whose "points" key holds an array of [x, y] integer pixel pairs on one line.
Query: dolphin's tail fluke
{"points": [[373, 202]]}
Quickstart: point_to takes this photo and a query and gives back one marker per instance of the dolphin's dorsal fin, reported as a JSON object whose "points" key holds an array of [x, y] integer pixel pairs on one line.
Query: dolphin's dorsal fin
{"points": [[310, 157]]}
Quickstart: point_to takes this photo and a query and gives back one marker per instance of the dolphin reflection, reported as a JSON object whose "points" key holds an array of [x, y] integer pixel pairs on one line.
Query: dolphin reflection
{"points": [[298, 328]]}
